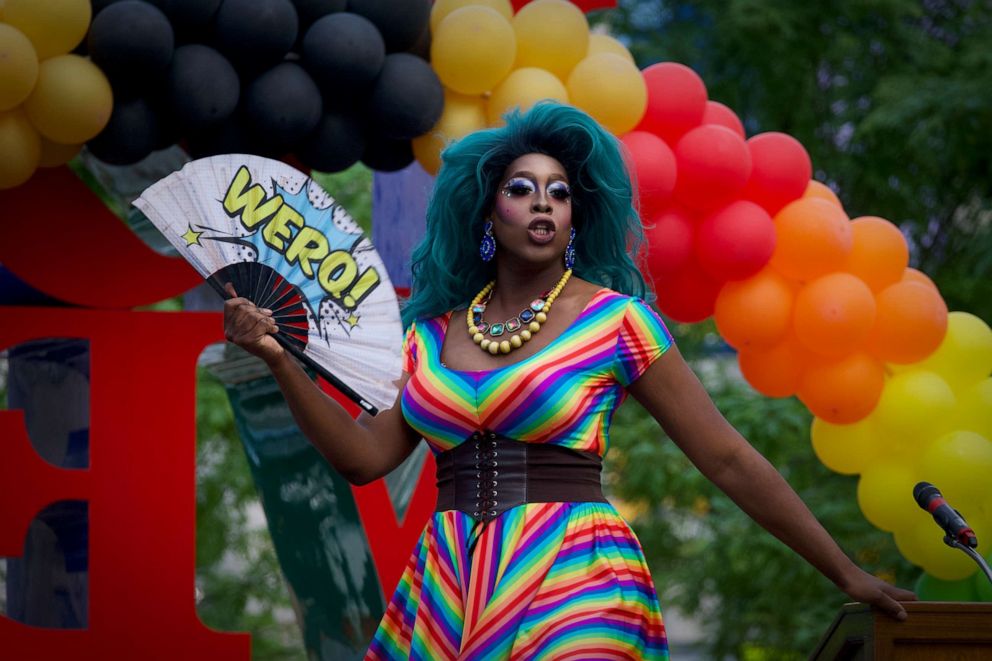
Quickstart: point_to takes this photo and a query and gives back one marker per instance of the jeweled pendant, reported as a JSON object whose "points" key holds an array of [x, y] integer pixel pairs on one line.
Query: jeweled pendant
{"points": [[478, 309], [526, 315], [482, 326], [496, 330], [512, 324], [537, 305]]}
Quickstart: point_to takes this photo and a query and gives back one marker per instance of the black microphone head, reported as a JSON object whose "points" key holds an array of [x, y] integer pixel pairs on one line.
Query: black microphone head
{"points": [[924, 492]]}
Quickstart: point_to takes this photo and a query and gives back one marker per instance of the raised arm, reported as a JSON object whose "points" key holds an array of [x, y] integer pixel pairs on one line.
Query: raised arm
{"points": [[674, 396], [361, 450]]}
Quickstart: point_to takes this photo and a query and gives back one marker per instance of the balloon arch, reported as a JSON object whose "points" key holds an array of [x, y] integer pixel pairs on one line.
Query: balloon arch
{"points": [[899, 387]]}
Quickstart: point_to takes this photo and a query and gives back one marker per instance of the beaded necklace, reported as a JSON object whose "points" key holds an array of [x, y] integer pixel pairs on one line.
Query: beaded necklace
{"points": [[529, 319]]}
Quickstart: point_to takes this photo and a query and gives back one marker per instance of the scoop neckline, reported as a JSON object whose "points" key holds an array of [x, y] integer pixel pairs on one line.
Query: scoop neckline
{"points": [[568, 329]]}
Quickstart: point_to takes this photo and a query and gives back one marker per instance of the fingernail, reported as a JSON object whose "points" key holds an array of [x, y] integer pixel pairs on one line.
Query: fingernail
{"points": [[266, 310]]}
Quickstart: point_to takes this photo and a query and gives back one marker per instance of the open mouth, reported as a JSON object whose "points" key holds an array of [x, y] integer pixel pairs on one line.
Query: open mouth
{"points": [[541, 230]]}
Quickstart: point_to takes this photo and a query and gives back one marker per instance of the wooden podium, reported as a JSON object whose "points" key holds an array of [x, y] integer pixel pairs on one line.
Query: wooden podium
{"points": [[934, 631]]}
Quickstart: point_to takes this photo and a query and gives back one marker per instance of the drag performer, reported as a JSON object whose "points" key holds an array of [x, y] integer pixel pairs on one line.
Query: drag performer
{"points": [[526, 328]]}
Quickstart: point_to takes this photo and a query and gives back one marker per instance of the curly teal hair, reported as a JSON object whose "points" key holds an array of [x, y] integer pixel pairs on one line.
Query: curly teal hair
{"points": [[447, 270]]}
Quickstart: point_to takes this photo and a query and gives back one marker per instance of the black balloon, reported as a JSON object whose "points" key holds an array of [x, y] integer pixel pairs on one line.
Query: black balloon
{"points": [[336, 144], [407, 98], [132, 42], [401, 22], [385, 154], [343, 50], [283, 105], [255, 34], [203, 87], [310, 10], [233, 136], [131, 134], [190, 18]]}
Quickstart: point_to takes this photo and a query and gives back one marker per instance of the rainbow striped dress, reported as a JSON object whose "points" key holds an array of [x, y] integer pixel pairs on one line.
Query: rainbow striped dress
{"points": [[543, 580]]}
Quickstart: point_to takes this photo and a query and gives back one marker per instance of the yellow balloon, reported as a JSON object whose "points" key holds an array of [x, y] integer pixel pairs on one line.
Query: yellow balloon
{"points": [[53, 26], [18, 67], [974, 409], [611, 89], [20, 146], [921, 541], [54, 154], [473, 49], [604, 43], [960, 465], [462, 115], [551, 35], [915, 407], [522, 89], [965, 356], [442, 8], [847, 449], [885, 494], [72, 101]]}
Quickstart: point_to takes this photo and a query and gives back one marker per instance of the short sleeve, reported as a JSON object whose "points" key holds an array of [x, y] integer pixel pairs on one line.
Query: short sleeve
{"points": [[410, 349], [642, 339]]}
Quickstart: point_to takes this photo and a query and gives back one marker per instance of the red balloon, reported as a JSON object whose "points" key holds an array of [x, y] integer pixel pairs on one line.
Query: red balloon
{"points": [[669, 240], [735, 242], [688, 295], [713, 166], [676, 101], [721, 115], [652, 162], [780, 172]]}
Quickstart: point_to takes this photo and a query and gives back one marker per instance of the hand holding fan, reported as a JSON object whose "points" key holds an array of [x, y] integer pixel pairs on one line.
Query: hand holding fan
{"points": [[286, 245]]}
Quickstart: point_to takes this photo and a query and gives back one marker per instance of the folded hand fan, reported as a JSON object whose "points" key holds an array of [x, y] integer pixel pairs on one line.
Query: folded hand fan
{"points": [[286, 245]]}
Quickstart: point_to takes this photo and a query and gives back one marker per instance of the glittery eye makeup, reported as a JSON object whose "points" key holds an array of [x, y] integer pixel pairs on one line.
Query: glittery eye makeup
{"points": [[518, 187], [559, 190], [522, 186]]}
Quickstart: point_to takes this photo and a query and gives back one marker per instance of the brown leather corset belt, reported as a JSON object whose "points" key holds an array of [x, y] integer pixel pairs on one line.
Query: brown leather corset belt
{"points": [[488, 474]]}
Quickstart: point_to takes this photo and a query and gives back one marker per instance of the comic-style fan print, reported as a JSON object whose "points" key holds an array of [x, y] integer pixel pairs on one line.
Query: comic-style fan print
{"points": [[286, 245]]}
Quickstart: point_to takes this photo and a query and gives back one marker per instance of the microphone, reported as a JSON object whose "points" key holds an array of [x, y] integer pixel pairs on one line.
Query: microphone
{"points": [[929, 498]]}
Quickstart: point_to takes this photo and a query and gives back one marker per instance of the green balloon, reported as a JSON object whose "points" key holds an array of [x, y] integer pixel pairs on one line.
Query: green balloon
{"points": [[929, 588]]}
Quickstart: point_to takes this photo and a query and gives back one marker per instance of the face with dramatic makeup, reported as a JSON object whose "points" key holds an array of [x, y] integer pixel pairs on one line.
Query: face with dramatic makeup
{"points": [[532, 212]]}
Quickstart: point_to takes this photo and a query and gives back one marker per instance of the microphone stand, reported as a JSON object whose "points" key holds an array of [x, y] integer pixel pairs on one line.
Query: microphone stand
{"points": [[974, 555]]}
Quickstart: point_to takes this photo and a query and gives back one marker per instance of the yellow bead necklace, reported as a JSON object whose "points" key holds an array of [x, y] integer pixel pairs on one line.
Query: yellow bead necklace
{"points": [[528, 322]]}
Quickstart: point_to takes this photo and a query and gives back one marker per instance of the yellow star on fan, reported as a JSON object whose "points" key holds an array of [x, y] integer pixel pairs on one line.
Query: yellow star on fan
{"points": [[352, 320], [192, 237]]}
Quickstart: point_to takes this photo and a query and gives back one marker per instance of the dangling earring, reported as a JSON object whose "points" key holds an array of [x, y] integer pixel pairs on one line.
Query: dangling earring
{"points": [[570, 251], [487, 249]]}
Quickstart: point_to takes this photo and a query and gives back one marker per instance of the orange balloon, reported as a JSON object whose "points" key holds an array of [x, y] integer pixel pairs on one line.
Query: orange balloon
{"points": [[910, 323], [822, 191], [842, 391], [813, 237], [774, 372], [912, 275], [755, 313], [834, 314], [879, 253]]}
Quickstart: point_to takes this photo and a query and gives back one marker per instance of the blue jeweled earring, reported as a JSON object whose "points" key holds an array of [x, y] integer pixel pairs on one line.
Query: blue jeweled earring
{"points": [[570, 250], [487, 249]]}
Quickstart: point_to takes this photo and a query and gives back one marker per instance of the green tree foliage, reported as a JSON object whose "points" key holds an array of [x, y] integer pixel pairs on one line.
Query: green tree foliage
{"points": [[240, 586], [351, 188], [892, 98], [751, 593]]}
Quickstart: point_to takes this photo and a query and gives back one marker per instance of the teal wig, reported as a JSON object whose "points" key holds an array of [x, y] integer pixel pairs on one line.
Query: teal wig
{"points": [[447, 270]]}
